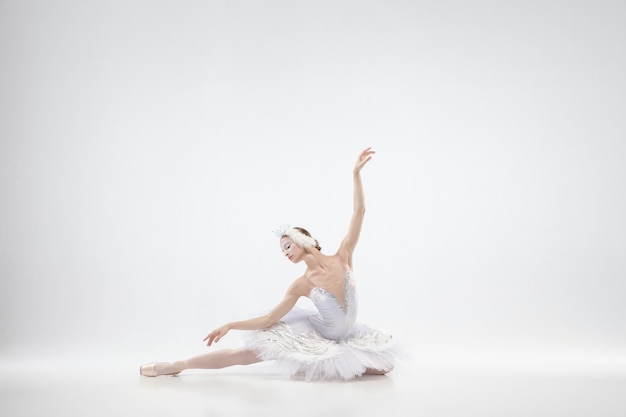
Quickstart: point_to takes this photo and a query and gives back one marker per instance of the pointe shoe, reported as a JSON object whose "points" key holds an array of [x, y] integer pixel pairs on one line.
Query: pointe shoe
{"points": [[149, 369]]}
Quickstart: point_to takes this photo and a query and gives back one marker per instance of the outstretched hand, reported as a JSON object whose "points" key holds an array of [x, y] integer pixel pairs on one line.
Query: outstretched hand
{"points": [[364, 157], [216, 335]]}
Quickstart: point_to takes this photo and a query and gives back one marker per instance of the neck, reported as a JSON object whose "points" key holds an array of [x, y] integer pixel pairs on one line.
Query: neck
{"points": [[313, 260]]}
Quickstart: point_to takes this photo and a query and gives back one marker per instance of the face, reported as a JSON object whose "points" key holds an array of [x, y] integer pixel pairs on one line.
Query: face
{"points": [[291, 250]]}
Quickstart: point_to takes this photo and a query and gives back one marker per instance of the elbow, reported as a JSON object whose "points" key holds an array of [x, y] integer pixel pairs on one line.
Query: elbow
{"points": [[268, 321], [360, 209]]}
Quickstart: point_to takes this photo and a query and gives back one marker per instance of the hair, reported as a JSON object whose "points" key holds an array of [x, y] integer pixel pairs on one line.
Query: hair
{"points": [[306, 233]]}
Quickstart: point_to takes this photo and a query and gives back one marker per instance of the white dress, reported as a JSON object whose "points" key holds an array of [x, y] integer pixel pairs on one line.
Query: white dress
{"points": [[326, 343]]}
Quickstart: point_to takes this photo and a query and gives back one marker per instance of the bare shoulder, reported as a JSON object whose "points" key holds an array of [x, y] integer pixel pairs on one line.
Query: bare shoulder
{"points": [[343, 258], [300, 287]]}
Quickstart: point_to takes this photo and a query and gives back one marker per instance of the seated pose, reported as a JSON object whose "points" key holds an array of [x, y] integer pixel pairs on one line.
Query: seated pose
{"points": [[321, 344]]}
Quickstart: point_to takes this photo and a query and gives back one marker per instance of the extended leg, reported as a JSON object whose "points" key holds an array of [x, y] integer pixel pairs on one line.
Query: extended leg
{"points": [[212, 360], [222, 358]]}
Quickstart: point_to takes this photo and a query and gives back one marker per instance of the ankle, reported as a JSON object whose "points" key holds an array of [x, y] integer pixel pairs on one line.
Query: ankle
{"points": [[180, 366]]}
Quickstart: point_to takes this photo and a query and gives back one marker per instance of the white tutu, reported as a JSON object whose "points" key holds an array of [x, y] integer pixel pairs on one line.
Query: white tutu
{"points": [[327, 343]]}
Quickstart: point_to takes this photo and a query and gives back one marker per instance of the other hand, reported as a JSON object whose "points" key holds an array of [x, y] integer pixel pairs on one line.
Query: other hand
{"points": [[364, 157], [216, 335]]}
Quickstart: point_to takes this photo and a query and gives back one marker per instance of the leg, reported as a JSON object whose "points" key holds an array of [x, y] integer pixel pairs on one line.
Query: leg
{"points": [[213, 360], [222, 358]]}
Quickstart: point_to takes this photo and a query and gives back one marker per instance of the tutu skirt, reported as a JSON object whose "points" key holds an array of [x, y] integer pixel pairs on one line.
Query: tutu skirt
{"points": [[300, 350]]}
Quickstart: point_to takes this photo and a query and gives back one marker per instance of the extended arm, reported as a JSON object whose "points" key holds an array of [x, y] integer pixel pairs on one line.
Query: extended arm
{"points": [[352, 237], [294, 292]]}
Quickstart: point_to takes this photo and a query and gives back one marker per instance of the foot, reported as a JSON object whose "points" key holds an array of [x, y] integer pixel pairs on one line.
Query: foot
{"points": [[162, 368]]}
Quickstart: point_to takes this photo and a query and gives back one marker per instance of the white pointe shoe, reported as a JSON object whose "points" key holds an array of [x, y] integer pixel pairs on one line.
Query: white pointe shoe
{"points": [[149, 369]]}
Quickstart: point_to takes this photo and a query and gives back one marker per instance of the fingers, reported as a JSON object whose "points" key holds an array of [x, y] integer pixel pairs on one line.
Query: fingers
{"points": [[366, 155], [364, 158], [213, 337], [209, 339]]}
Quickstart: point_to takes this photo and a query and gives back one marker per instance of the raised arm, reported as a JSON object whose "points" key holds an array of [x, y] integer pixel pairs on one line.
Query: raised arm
{"points": [[349, 242], [295, 291]]}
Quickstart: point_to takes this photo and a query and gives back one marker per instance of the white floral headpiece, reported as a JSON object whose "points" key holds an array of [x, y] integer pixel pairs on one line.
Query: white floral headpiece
{"points": [[297, 236]]}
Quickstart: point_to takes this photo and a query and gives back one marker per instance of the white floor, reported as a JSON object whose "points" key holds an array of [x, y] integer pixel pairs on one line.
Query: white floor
{"points": [[428, 387]]}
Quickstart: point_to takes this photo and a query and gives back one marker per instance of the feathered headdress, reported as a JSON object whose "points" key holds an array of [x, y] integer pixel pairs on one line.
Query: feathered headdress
{"points": [[297, 236]]}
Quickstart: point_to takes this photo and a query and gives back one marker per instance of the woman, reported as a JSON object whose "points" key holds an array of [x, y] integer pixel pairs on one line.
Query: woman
{"points": [[324, 344]]}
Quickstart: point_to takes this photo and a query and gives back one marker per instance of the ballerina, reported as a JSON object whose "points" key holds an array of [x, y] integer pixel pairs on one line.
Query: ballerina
{"points": [[326, 343]]}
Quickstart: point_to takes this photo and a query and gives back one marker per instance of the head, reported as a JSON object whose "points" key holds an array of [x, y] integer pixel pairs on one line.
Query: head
{"points": [[295, 242]]}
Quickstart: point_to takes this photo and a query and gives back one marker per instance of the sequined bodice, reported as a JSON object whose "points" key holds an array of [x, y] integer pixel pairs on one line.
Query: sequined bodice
{"points": [[335, 318]]}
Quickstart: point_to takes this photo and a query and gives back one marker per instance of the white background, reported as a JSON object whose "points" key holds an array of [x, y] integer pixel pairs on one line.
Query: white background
{"points": [[148, 149]]}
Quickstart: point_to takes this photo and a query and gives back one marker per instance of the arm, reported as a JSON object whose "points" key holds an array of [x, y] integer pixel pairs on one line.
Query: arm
{"points": [[295, 291], [349, 242]]}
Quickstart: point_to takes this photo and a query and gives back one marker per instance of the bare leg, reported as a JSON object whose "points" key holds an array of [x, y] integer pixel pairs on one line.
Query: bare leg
{"points": [[222, 358], [212, 360]]}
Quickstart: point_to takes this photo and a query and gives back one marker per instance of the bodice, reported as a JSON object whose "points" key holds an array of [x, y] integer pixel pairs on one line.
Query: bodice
{"points": [[336, 317]]}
